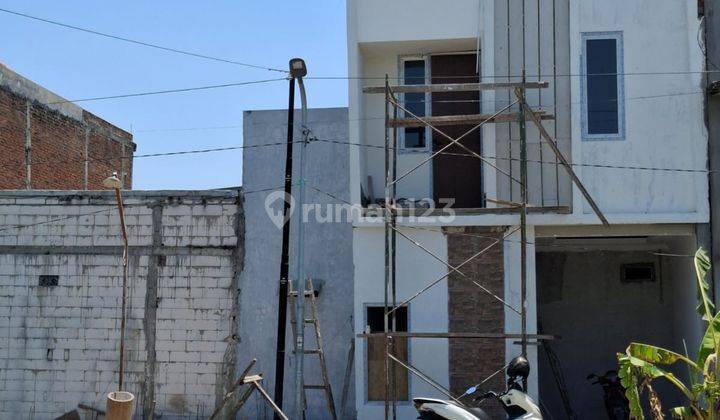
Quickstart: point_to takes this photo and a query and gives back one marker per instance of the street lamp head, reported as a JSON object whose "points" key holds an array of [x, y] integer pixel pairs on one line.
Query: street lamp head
{"points": [[113, 182], [297, 68]]}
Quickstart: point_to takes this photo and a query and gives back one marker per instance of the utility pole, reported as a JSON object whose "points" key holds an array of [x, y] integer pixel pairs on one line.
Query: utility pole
{"points": [[298, 71], [285, 254]]}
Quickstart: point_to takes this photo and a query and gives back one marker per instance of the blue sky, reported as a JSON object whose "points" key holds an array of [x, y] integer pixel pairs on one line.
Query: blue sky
{"points": [[77, 65]]}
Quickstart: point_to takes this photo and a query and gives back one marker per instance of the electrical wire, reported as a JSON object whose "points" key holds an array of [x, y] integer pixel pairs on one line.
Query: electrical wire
{"points": [[262, 67], [591, 165], [148, 155], [142, 43], [343, 142], [500, 102], [216, 127], [487, 237], [162, 92], [529, 75]]}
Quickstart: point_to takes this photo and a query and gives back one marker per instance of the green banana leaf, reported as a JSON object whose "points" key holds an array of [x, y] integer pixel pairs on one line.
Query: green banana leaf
{"points": [[705, 307], [648, 369], [659, 355], [628, 379], [708, 344], [682, 413]]}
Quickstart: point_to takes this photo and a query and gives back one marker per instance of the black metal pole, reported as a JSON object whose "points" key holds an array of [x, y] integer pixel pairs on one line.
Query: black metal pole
{"points": [[285, 257]]}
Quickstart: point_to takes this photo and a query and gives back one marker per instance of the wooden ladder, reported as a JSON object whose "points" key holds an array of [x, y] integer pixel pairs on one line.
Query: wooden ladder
{"points": [[315, 321]]}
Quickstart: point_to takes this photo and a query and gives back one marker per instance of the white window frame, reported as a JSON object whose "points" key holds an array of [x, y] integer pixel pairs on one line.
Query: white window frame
{"points": [[428, 105], [619, 51]]}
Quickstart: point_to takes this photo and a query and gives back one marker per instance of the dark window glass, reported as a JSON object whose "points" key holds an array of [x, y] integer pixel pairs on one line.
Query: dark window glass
{"points": [[414, 72], [376, 319], [376, 355], [602, 86]]}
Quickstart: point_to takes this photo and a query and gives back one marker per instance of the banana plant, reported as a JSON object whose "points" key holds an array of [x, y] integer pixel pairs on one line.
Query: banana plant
{"points": [[644, 363]]}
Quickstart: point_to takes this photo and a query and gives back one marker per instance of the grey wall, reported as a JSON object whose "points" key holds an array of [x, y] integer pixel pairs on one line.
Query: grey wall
{"points": [[328, 253], [540, 52], [712, 40], [581, 299]]}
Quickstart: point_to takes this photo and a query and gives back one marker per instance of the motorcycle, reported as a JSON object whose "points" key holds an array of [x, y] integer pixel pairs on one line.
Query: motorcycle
{"points": [[515, 401], [616, 403]]}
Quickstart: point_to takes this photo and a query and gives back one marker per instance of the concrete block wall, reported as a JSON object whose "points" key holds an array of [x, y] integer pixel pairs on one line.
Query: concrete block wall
{"points": [[60, 343]]}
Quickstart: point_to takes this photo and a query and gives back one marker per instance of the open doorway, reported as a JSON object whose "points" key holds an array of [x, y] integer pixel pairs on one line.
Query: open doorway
{"points": [[457, 174]]}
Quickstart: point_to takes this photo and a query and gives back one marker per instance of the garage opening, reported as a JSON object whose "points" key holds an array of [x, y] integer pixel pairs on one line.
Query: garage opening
{"points": [[600, 294]]}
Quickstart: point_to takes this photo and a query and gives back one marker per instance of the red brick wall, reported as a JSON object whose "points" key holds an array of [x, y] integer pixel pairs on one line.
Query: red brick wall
{"points": [[58, 147], [12, 141], [473, 310]]}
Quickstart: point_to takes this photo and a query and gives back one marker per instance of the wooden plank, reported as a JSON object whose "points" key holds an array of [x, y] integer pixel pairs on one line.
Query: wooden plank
{"points": [[421, 212], [319, 341], [459, 335], [346, 380], [252, 378], [231, 391], [444, 120], [545, 135], [454, 87], [270, 401]]}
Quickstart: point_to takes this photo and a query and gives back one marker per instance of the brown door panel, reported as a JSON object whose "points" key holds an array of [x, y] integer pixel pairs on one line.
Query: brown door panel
{"points": [[456, 177]]}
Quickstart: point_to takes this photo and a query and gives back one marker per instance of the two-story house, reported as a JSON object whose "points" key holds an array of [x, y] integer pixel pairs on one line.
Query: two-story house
{"points": [[624, 102]]}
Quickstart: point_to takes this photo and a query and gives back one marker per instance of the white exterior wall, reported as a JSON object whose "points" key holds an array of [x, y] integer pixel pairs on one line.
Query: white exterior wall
{"points": [[666, 131], [78, 320], [513, 322], [407, 20], [427, 313], [663, 128]]}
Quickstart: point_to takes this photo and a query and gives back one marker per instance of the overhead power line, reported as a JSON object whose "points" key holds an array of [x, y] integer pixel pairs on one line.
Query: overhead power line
{"points": [[143, 43], [347, 143], [16, 163], [544, 162], [162, 92], [517, 76], [212, 127], [497, 101]]}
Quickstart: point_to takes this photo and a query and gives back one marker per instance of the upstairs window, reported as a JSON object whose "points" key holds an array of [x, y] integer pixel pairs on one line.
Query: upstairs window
{"points": [[602, 87], [414, 73]]}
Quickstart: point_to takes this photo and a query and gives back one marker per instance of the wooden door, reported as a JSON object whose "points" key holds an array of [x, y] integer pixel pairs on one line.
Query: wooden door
{"points": [[456, 177]]}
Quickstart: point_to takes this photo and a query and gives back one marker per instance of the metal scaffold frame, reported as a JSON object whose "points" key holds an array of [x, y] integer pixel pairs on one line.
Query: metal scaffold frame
{"points": [[390, 211]]}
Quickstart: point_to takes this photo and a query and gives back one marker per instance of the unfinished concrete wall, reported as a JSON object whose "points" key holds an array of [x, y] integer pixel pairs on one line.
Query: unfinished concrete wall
{"points": [[582, 300], [61, 342], [712, 41], [328, 250]]}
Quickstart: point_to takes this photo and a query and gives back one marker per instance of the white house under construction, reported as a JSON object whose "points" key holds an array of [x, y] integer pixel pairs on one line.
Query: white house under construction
{"points": [[633, 135]]}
